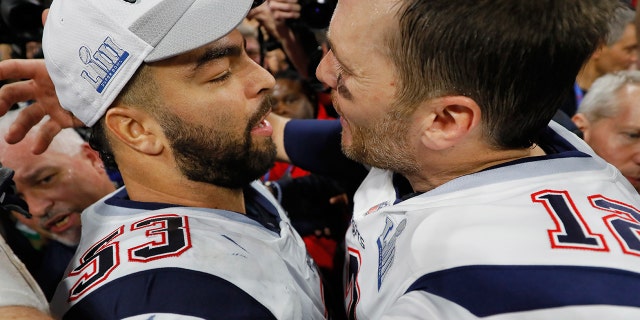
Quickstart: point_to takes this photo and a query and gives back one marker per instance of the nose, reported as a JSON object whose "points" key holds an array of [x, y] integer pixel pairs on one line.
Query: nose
{"points": [[260, 80], [326, 71], [636, 159], [634, 56], [39, 205]]}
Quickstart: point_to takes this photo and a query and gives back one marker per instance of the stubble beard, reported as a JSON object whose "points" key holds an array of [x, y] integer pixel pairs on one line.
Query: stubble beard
{"points": [[383, 145]]}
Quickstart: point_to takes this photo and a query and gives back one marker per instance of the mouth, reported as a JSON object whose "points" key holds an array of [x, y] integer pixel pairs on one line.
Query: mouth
{"points": [[60, 223], [263, 127]]}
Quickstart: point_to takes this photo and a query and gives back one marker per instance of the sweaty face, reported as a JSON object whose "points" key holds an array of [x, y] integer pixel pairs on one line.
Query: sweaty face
{"points": [[363, 83], [622, 54], [57, 188], [617, 139], [214, 101], [290, 100]]}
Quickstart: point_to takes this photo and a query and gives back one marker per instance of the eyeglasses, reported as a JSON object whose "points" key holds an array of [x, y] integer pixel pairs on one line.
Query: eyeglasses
{"points": [[257, 3]]}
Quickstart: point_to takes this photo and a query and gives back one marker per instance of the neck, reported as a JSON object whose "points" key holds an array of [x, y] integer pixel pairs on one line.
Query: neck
{"points": [[186, 193], [431, 175], [588, 74]]}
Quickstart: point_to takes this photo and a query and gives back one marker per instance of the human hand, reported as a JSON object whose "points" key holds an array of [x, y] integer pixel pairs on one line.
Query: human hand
{"points": [[285, 9], [273, 14], [38, 88]]}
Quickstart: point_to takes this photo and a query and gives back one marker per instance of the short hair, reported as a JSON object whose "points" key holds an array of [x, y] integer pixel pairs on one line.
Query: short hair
{"points": [[142, 92], [621, 18], [602, 99], [68, 141], [516, 59]]}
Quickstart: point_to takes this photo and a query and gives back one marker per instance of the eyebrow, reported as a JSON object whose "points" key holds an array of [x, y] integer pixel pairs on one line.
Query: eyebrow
{"points": [[337, 56], [32, 175], [216, 53]]}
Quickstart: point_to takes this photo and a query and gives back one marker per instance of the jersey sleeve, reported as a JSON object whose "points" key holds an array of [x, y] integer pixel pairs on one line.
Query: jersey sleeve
{"points": [[314, 145]]}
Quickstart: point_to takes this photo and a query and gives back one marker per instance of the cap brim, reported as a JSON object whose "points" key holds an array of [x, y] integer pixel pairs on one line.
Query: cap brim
{"points": [[206, 21]]}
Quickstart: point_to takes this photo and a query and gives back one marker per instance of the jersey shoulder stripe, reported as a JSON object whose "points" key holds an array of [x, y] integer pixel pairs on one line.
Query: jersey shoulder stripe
{"points": [[480, 288], [173, 293]]}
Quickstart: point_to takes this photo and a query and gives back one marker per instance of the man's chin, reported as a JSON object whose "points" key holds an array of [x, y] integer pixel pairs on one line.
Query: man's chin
{"points": [[71, 238]]}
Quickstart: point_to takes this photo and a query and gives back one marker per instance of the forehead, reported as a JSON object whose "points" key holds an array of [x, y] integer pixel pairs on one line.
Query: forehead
{"points": [[629, 103], [628, 37], [358, 27], [211, 51], [20, 158]]}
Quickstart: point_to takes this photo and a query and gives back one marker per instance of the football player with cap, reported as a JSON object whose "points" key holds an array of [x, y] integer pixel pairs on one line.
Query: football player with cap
{"points": [[178, 106]]}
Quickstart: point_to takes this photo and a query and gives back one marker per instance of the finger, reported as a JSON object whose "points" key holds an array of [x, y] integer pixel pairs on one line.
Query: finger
{"points": [[45, 13], [45, 135], [26, 119], [283, 1], [279, 15], [257, 10], [285, 7], [21, 68], [13, 93], [63, 117]]}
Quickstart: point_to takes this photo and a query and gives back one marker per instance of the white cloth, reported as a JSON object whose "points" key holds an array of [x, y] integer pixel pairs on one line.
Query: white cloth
{"points": [[17, 286], [141, 260], [553, 237]]}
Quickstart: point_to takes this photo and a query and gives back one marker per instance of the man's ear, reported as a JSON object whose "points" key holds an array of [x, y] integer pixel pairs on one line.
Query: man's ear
{"points": [[136, 129], [450, 120], [92, 156], [582, 123], [598, 52], [44, 15]]}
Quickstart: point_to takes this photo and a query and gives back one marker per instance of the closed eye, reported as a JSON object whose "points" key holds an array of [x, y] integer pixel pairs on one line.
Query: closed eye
{"points": [[223, 77]]}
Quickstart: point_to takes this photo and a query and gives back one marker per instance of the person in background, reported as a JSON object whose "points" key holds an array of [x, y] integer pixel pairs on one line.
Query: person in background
{"points": [[609, 118], [20, 295], [280, 44], [57, 186], [319, 206], [618, 52], [637, 25], [252, 42]]}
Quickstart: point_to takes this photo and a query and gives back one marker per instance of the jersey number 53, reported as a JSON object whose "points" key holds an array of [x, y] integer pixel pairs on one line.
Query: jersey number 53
{"points": [[167, 235]]}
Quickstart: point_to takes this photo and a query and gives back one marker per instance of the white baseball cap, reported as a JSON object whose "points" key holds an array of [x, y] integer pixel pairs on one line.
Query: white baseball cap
{"points": [[93, 47]]}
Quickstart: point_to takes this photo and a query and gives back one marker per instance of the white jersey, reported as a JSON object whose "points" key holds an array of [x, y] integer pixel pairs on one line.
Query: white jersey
{"points": [[148, 260], [551, 237], [17, 286]]}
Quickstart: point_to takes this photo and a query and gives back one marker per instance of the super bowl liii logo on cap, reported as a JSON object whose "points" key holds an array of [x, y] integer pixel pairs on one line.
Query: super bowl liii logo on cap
{"points": [[104, 63]]}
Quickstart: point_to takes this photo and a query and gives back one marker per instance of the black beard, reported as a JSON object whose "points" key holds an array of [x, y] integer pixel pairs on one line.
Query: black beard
{"points": [[206, 155]]}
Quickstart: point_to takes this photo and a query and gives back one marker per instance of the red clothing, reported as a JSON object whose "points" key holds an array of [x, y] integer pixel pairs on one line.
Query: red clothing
{"points": [[281, 169], [322, 249]]}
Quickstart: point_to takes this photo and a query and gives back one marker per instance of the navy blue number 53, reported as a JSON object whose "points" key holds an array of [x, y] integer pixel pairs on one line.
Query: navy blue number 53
{"points": [[164, 235]]}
